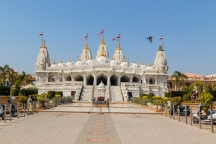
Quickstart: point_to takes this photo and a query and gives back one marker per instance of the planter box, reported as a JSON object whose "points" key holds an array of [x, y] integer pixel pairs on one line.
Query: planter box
{"points": [[159, 107]]}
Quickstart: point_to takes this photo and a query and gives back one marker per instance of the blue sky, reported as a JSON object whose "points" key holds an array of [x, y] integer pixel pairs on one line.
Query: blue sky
{"points": [[188, 28]]}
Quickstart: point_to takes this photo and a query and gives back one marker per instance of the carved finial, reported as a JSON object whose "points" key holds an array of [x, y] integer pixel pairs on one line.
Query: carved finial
{"points": [[149, 64], [102, 41], [124, 60], [61, 61], [44, 44], [134, 61], [143, 63], [118, 47], [69, 60], [54, 62]]}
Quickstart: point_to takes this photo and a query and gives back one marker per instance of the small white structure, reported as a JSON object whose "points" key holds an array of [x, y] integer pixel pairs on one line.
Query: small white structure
{"points": [[101, 90]]}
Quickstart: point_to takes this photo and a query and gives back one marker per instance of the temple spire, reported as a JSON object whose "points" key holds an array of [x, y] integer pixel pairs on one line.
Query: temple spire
{"points": [[102, 41]]}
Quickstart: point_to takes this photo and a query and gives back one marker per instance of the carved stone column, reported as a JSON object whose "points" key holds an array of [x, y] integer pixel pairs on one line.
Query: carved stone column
{"points": [[108, 80], [119, 79], [95, 80]]}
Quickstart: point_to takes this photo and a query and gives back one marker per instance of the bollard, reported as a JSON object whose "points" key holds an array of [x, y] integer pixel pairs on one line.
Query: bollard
{"points": [[212, 129], [38, 107], [178, 114], [173, 112], [166, 110], [191, 116], [170, 110], [10, 112], [161, 109], [33, 107], [186, 114], [18, 110], [200, 119], [24, 110], [5, 114], [28, 109]]}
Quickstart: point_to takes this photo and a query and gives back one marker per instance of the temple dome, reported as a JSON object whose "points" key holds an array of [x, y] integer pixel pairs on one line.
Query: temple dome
{"points": [[113, 62], [69, 63], [102, 59], [54, 64], [142, 65], [79, 63], [61, 64], [134, 65], [90, 62], [124, 64], [149, 67]]}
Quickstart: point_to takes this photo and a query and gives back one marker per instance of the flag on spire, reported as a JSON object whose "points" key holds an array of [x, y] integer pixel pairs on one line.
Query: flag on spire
{"points": [[117, 37], [161, 38], [101, 32], [85, 36], [41, 34]]}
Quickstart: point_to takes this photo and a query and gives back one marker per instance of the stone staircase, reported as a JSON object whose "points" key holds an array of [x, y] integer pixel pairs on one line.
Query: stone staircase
{"points": [[116, 95], [87, 93]]}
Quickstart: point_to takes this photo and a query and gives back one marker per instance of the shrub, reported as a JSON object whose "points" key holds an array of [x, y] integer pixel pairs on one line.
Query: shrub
{"points": [[187, 97], [14, 92], [27, 92], [177, 100], [206, 98], [42, 98], [23, 99], [59, 93], [5, 90], [51, 94]]}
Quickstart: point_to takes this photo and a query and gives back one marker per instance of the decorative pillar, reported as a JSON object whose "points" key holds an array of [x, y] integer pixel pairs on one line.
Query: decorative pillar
{"points": [[131, 79], [84, 79], [95, 80], [46, 76], [119, 78], [108, 80]]}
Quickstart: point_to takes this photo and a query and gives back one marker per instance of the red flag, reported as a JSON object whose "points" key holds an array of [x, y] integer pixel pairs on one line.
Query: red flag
{"points": [[41, 34], [101, 32], [86, 36], [161, 38], [117, 37]]}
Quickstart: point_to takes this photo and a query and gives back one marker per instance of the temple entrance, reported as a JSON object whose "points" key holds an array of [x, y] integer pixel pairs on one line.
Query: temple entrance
{"points": [[135, 79], [125, 79], [73, 93], [78, 78], [129, 96], [151, 81], [113, 80], [89, 80], [102, 78]]}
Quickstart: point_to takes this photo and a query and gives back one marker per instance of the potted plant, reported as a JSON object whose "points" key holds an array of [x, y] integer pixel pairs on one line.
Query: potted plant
{"points": [[43, 98]]}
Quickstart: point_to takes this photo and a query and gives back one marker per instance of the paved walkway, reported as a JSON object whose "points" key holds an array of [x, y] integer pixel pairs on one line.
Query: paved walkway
{"points": [[87, 107], [69, 128]]}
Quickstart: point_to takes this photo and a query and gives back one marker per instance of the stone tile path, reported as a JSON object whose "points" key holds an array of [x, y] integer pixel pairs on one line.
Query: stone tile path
{"points": [[69, 128], [98, 129]]}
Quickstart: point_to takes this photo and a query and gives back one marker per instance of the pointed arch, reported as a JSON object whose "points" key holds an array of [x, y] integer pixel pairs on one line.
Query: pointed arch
{"points": [[125, 79], [78, 77], [114, 80], [89, 79], [135, 79], [68, 78]]}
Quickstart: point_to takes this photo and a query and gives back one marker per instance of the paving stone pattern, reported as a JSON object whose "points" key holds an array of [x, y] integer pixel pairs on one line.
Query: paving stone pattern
{"points": [[98, 129], [69, 128]]}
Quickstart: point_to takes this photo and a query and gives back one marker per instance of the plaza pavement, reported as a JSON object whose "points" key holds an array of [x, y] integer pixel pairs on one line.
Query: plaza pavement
{"points": [[81, 128]]}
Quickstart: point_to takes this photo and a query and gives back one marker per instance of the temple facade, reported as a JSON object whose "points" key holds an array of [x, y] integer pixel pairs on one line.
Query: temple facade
{"points": [[122, 80]]}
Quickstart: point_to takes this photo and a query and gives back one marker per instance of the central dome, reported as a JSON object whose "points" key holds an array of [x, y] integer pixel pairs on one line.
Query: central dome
{"points": [[102, 59]]}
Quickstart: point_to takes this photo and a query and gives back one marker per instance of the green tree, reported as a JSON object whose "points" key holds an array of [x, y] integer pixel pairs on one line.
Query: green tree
{"points": [[178, 77], [23, 79], [4, 72]]}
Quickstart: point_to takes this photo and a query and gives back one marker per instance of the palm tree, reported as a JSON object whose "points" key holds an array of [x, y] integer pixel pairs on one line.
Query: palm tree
{"points": [[178, 76], [12, 76], [4, 72], [23, 78]]}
